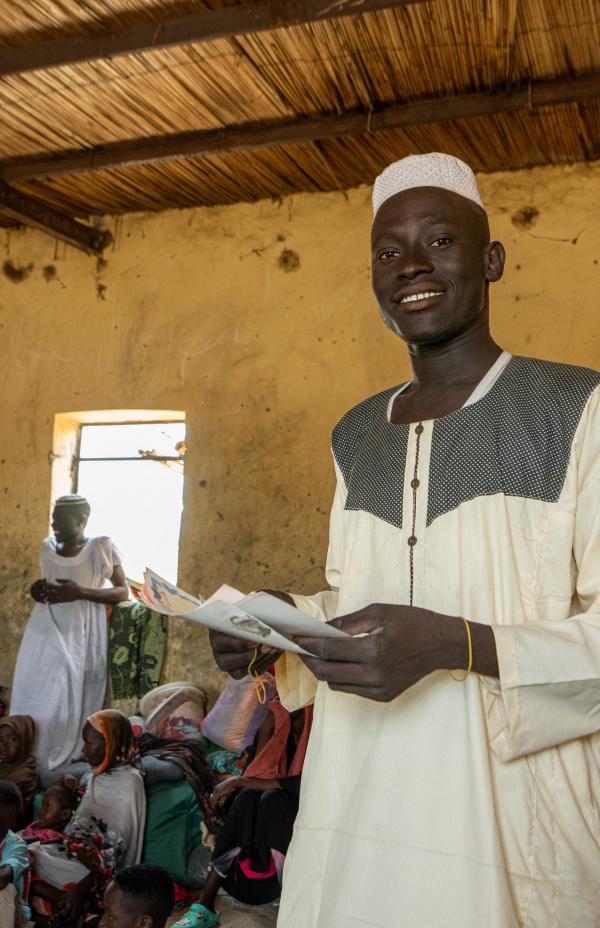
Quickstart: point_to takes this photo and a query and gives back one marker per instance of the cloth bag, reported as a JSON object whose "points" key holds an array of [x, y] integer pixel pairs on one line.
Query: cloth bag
{"points": [[175, 710], [237, 714]]}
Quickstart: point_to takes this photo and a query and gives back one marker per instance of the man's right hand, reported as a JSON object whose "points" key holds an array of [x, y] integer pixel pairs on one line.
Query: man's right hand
{"points": [[39, 591], [231, 654]]}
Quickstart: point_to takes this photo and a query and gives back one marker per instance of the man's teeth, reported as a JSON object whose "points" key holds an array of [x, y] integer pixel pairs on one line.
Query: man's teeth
{"points": [[415, 297]]}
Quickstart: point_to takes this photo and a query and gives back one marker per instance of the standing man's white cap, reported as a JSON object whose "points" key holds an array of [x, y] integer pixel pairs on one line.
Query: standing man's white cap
{"points": [[433, 170]]}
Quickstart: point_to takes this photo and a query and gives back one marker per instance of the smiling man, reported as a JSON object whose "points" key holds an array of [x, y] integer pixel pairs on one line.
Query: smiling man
{"points": [[452, 776]]}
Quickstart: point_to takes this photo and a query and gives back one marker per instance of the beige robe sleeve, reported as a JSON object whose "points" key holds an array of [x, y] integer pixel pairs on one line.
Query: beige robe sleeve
{"points": [[549, 687], [295, 683]]}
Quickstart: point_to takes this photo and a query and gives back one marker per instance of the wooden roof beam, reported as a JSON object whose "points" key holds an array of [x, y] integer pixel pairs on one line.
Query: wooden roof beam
{"points": [[308, 129], [208, 26], [31, 212]]}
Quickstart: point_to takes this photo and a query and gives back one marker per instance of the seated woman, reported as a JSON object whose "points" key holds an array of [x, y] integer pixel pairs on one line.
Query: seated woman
{"points": [[261, 807], [17, 760], [106, 832]]}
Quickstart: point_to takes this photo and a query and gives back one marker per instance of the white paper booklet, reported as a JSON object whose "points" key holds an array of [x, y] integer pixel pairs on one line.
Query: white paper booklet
{"points": [[258, 617]]}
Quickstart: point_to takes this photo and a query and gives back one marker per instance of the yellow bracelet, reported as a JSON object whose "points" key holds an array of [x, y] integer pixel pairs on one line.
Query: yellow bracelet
{"points": [[470, 664]]}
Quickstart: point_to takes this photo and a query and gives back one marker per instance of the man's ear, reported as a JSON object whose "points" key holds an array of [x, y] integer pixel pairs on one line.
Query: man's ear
{"points": [[146, 921], [496, 257]]}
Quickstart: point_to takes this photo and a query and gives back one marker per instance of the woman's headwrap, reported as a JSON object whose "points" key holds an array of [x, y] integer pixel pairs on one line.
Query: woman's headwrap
{"points": [[118, 738], [23, 769]]}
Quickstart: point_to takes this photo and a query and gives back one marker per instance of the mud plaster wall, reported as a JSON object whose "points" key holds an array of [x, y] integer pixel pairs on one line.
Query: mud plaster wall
{"points": [[258, 321]]}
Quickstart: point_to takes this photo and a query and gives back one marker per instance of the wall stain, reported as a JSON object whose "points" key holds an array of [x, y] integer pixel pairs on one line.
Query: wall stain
{"points": [[288, 260], [14, 273], [525, 217]]}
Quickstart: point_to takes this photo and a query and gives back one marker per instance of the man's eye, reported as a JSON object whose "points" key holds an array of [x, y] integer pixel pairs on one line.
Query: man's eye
{"points": [[387, 255], [440, 242]]}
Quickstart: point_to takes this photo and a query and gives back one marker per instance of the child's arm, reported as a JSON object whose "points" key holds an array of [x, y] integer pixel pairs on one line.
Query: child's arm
{"points": [[14, 860]]}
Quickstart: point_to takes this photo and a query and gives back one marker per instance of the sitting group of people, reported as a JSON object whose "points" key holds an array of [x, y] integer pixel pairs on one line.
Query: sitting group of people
{"points": [[59, 866], [60, 869]]}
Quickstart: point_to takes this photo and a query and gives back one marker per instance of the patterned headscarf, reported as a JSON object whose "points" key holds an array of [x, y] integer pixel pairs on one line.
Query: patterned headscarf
{"points": [[118, 738]]}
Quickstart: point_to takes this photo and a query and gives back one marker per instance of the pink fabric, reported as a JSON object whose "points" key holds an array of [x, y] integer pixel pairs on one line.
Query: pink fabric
{"points": [[255, 874], [37, 830], [271, 763]]}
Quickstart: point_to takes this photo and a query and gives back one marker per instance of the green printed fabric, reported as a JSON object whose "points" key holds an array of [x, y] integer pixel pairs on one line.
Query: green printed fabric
{"points": [[137, 638]]}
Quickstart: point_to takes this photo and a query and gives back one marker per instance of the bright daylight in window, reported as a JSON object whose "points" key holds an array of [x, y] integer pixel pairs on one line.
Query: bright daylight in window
{"points": [[132, 475]]}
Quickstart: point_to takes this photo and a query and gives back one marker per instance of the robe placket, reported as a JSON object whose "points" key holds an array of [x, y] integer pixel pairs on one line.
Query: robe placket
{"points": [[414, 514]]}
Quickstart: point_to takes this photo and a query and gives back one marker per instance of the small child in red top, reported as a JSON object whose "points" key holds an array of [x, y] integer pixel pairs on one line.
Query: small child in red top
{"points": [[56, 811]]}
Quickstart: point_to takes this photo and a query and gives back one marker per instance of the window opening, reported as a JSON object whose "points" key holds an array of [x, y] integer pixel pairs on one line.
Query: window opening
{"points": [[132, 475]]}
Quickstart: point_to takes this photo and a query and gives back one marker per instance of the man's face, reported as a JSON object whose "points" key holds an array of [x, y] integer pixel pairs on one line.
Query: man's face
{"points": [[431, 261], [121, 912], [66, 525]]}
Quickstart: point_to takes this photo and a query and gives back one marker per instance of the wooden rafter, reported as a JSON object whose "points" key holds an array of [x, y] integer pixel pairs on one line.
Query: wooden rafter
{"points": [[208, 26], [287, 132], [32, 212]]}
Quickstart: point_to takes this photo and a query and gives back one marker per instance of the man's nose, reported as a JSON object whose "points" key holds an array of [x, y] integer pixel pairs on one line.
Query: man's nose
{"points": [[413, 262]]}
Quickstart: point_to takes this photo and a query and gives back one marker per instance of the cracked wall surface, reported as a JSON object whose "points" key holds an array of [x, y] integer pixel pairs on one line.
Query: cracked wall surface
{"points": [[258, 320]]}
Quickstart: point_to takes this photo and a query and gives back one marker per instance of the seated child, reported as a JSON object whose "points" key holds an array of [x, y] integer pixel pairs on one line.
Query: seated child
{"points": [[57, 808], [14, 862], [141, 894]]}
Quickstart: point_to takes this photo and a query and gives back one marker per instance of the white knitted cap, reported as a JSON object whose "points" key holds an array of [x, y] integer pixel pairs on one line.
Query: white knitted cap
{"points": [[432, 170]]}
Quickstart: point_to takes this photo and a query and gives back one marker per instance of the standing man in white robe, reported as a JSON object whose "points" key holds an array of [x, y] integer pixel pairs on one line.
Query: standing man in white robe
{"points": [[61, 673], [453, 773]]}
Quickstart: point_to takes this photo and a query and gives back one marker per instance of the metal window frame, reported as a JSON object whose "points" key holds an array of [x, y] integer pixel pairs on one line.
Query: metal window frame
{"points": [[78, 459]]}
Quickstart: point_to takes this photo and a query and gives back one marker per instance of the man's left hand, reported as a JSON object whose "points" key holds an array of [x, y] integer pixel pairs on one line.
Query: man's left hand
{"points": [[399, 645]]}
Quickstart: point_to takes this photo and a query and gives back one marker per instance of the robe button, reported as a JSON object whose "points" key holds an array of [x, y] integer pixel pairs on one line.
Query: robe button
{"points": [[415, 483], [412, 541], [419, 429]]}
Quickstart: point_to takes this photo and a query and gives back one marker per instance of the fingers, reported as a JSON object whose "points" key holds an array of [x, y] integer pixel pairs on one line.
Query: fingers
{"points": [[376, 693], [366, 621], [342, 674], [233, 664], [228, 644], [279, 594], [348, 650]]}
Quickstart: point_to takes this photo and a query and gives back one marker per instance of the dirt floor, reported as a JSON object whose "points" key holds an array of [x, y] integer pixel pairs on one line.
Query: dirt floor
{"points": [[236, 915]]}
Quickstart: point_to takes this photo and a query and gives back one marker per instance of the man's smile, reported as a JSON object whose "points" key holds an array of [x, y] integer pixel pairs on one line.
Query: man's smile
{"points": [[418, 299]]}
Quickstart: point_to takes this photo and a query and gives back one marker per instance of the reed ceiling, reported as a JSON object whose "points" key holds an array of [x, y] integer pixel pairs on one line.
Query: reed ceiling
{"points": [[368, 66]]}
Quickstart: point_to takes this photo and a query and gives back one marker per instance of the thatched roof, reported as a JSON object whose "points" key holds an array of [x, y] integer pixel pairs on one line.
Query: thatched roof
{"points": [[304, 107]]}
